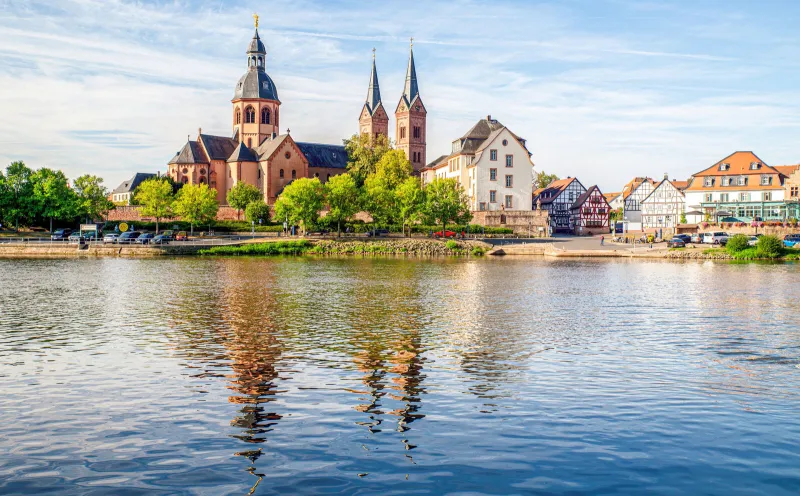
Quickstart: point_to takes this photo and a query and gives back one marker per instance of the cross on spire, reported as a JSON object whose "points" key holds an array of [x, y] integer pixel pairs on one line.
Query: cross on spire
{"points": [[255, 19]]}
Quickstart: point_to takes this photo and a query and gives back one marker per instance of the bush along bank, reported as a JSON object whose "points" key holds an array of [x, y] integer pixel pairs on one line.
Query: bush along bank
{"points": [[767, 248], [406, 246]]}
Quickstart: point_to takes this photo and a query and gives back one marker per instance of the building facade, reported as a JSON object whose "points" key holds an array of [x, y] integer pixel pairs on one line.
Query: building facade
{"points": [[492, 164], [614, 200], [739, 188], [412, 119], [557, 199], [633, 194], [663, 207], [256, 153], [374, 121], [590, 213], [123, 193]]}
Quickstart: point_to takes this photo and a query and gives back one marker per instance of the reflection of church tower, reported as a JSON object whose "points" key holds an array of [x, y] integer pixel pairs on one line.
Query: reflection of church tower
{"points": [[411, 118], [255, 100], [374, 120]]}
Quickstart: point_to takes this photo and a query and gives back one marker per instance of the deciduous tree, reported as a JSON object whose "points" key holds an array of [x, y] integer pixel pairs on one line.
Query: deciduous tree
{"points": [[93, 199], [410, 200], [196, 204], [342, 197], [446, 202], [543, 179], [53, 199], [156, 198], [19, 193], [363, 154], [300, 202], [257, 210], [381, 199], [241, 195]]}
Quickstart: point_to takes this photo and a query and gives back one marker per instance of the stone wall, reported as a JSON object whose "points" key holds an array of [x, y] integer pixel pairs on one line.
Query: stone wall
{"points": [[523, 222], [132, 213]]}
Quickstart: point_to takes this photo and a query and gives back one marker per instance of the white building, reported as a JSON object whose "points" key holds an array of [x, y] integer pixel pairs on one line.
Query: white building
{"points": [[123, 193], [493, 166], [614, 200], [664, 206], [632, 196]]}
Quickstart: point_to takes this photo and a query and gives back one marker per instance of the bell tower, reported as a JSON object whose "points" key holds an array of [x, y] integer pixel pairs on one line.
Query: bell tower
{"points": [[411, 118], [255, 99], [374, 121]]}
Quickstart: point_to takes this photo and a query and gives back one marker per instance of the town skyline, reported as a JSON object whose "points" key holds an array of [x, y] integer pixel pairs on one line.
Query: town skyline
{"points": [[591, 104]]}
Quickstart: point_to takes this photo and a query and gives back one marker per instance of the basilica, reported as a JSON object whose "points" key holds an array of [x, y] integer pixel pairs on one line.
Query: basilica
{"points": [[258, 154]]}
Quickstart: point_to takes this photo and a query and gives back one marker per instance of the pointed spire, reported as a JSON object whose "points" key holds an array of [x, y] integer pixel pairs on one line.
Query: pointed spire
{"points": [[374, 92], [411, 90]]}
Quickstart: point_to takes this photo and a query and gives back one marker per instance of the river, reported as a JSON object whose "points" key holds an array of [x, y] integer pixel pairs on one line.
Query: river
{"points": [[394, 376]]}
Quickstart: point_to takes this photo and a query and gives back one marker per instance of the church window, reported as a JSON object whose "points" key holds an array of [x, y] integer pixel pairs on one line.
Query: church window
{"points": [[249, 115], [202, 180], [287, 155], [265, 116], [259, 173], [416, 132], [260, 61], [238, 116], [202, 171], [280, 173], [403, 132], [294, 174], [249, 142], [185, 179]]}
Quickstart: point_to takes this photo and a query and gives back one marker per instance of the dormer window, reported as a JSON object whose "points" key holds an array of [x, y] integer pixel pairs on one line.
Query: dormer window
{"points": [[755, 166], [709, 181], [724, 166]]}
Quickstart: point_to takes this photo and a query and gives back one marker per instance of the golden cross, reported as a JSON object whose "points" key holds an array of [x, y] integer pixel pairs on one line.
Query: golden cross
{"points": [[255, 18]]}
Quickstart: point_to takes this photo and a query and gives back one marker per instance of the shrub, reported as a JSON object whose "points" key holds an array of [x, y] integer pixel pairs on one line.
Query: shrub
{"points": [[451, 244], [769, 246], [478, 251], [275, 248], [737, 243]]}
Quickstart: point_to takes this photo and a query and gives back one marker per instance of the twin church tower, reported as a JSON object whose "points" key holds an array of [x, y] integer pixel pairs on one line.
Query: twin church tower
{"points": [[410, 114]]}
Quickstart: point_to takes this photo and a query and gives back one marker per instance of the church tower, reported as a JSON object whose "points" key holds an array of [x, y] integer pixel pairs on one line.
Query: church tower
{"points": [[374, 120], [411, 118], [255, 99]]}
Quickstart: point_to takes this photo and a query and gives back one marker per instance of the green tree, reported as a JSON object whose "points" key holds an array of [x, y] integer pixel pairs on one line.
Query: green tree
{"points": [[257, 210], [737, 243], [380, 197], [363, 154], [53, 199], [93, 199], [300, 202], [683, 218], [445, 201], [19, 193], [410, 200], [342, 197], [241, 195], [156, 198], [4, 197], [543, 179], [196, 204]]}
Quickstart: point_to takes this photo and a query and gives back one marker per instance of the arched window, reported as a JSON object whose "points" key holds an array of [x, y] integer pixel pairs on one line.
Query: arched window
{"points": [[294, 174], [260, 61], [249, 142], [259, 173], [202, 180], [281, 173], [249, 115], [265, 116], [185, 179], [238, 116]]}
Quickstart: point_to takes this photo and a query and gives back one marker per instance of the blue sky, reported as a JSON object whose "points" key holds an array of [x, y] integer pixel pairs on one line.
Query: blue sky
{"points": [[603, 90]]}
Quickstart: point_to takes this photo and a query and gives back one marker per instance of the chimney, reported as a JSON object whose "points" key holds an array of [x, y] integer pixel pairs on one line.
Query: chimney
{"points": [[489, 117], [666, 176]]}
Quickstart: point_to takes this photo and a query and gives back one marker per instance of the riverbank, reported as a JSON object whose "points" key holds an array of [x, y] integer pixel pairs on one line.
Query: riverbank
{"points": [[399, 246]]}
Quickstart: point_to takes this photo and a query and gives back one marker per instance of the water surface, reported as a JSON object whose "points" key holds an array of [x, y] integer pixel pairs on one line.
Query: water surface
{"points": [[393, 376]]}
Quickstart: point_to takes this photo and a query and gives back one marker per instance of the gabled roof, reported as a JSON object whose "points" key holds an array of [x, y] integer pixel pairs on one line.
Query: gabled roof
{"points": [[661, 183], [132, 183], [611, 196], [633, 184], [553, 190], [218, 147], [680, 185], [736, 164], [322, 155], [786, 170], [191, 153], [267, 147], [436, 162], [585, 196], [242, 154]]}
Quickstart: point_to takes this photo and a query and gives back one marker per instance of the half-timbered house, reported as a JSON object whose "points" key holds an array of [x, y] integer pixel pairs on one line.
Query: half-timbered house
{"points": [[590, 213], [632, 194], [557, 198], [664, 206]]}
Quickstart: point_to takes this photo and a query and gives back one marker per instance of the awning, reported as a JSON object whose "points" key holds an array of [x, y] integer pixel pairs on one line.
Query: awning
{"points": [[723, 213], [694, 212]]}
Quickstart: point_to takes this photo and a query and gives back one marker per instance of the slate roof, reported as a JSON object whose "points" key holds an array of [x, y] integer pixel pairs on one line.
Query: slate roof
{"points": [[191, 153], [551, 192], [132, 183], [268, 146], [436, 162], [374, 91], [242, 154], [256, 84], [218, 147], [321, 155], [256, 46], [411, 88]]}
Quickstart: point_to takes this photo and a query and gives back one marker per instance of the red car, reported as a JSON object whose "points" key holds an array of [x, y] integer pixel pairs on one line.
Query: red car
{"points": [[447, 234]]}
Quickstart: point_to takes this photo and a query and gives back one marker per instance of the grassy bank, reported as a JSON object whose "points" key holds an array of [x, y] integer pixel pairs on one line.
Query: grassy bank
{"points": [[754, 253], [401, 246]]}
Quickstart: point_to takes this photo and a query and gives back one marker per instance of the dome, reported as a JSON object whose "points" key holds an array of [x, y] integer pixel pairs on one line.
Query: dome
{"points": [[256, 46], [256, 84]]}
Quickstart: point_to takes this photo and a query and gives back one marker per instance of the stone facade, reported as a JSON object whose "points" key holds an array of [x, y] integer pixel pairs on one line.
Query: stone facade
{"points": [[534, 223]]}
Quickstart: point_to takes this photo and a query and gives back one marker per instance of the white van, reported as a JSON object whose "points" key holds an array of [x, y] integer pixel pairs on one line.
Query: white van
{"points": [[715, 238]]}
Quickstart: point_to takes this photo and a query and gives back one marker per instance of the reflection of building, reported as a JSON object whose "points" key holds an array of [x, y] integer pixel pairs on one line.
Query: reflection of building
{"points": [[740, 187], [492, 164], [256, 153]]}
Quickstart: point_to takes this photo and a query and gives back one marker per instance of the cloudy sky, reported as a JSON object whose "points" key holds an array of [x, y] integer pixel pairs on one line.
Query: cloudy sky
{"points": [[602, 89]]}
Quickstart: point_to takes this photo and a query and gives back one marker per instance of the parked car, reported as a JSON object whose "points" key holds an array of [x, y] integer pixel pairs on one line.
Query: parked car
{"points": [[129, 237], [181, 236], [145, 238], [685, 237], [697, 238], [715, 238], [75, 238], [378, 232], [753, 240], [447, 234], [161, 239], [110, 238], [169, 233], [676, 242], [791, 241], [61, 234]]}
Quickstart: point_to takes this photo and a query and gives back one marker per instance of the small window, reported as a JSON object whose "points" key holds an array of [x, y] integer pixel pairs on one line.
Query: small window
{"points": [[509, 201], [755, 166], [767, 196], [185, 171], [493, 174], [280, 173], [259, 173], [766, 180], [316, 174], [794, 191], [709, 181], [249, 142], [505, 142], [265, 116], [482, 206], [287, 155], [493, 155], [238, 116], [509, 181], [708, 197], [509, 160], [249, 115], [294, 174], [492, 196]]}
